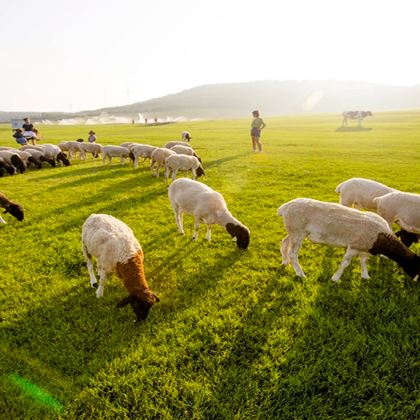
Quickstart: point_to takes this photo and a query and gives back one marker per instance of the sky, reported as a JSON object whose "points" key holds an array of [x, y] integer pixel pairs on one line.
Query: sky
{"points": [[73, 55]]}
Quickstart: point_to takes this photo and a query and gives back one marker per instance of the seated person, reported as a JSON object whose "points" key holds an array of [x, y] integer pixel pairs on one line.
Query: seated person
{"points": [[29, 131], [20, 138]]}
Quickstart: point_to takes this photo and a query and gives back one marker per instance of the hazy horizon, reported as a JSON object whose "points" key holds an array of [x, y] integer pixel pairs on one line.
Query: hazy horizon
{"points": [[72, 56]]}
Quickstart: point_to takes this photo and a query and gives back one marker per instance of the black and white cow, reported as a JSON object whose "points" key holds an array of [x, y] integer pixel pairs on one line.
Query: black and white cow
{"points": [[355, 115]]}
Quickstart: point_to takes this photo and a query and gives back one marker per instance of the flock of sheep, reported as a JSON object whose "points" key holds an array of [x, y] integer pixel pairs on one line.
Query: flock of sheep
{"points": [[116, 250]]}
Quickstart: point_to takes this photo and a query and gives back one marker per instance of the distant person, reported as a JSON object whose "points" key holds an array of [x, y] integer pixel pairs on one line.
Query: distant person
{"points": [[92, 137], [186, 136], [29, 132], [19, 137], [256, 126], [156, 120], [145, 121]]}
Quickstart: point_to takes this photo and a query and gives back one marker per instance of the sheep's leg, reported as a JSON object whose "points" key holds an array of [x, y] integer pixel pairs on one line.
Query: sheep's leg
{"points": [[193, 173], [158, 169], [136, 162], [102, 279], [3, 221], [103, 159], [196, 226], [350, 253], [174, 171], [208, 234], [178, 218], [363, 259], [285, 260], [294, 246], [122, 160], [89, 264]]}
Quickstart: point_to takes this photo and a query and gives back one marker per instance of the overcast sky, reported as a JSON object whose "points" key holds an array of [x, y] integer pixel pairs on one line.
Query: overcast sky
{"points": [[71, 55]]}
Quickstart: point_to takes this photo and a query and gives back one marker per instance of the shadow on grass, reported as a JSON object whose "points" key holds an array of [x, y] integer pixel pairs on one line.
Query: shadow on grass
{"points": [[352, 129], [223, 160]]}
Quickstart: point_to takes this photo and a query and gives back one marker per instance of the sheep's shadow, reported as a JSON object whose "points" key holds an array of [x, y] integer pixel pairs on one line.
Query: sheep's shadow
{"points": [[218, 162]]}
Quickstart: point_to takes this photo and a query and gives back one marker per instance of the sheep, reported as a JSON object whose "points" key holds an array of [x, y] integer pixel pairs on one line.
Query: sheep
{"points": [[158, 156], [127, 144], [177, 163], [207, 205], [171, 144], [360, 192], [5, 164], [13, 158], [141, 150], [94, 148], [117, 251], [404, 209], [183, 150], [362, 233], [53, 152], [185, 135], [114, 151], [38, 157], [72, 147], [14, 209]]}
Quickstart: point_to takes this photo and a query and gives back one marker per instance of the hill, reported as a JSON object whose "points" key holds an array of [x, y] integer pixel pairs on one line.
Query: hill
{"points": [[233, 100]]}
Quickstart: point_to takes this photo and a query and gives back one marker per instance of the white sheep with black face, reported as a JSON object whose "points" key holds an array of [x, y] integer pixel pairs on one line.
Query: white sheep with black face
{"points": [[403, 209], [53, 152], [206, 205], [173, 143], [9, 206], [158, 157], [361, 233], [115, 151], [117, 251], [177, 163], [138, 151]]}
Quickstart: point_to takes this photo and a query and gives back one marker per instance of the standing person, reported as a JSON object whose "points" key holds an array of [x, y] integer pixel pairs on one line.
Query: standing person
{"points": [[256, 126], [28, 131], [92, 137]]}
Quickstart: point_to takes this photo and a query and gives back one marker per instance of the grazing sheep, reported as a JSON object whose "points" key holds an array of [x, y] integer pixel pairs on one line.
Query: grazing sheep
{"points": [[38, 157], [72, 147], [6, 165], [177, 163], [186, 136], [14, 209], [158, 157], [362, 233], [94, 148], [114, 151], [141, 150], [360, 192], [171, 144], [117, 251], [13, 158], [53, 152], [183, 150], [205, 205], [403, 209]]}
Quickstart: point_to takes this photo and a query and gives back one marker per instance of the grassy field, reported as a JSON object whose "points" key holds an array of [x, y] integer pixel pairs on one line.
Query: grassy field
{"points": [[235, 335]]}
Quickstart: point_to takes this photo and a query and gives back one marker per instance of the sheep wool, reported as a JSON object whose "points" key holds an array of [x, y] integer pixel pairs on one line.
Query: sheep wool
{"points": [[361, 233], [117, 251]]}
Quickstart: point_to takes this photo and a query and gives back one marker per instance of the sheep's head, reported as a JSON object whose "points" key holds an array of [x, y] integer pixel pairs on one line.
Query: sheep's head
{"points": [[200, 171], [63, 158], [141, 303], [241, 233], [15, 210]]}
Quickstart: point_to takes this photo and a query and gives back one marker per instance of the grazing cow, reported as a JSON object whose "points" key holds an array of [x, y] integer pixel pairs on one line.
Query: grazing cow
{"points": [[355, 115]]}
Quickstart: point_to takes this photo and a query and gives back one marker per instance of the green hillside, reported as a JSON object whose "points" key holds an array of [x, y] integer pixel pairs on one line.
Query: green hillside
{"points": [[235, 334]]}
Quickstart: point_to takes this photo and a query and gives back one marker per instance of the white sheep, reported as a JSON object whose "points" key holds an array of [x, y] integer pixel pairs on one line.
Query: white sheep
{"points": [[171, 144], [361, 233], [72, 147], [360, 192], [205, 205], [9, 206], [53, 152], [404, 209], [11, 157], [37, 157], [94, 148], [183, 150], [117, 251], [141, 150], [186, 136], [177, 163], [114, 151], [158, 157]]}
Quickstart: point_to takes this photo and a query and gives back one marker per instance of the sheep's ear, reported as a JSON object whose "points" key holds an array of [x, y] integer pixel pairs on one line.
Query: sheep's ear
{"points": [[6, 211], [125, 301]]}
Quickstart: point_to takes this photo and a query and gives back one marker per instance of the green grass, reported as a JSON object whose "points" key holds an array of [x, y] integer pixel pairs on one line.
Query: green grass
{"points": [[235, 334]]}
